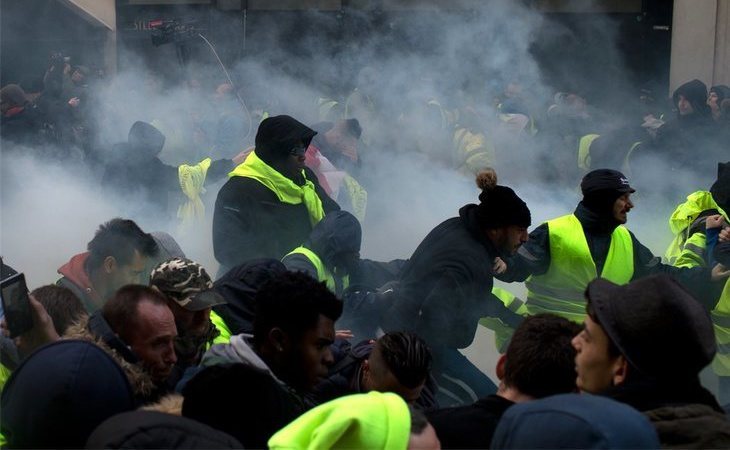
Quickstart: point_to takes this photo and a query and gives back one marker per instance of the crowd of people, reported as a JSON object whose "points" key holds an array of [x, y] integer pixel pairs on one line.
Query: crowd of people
{"points": [[298, 342]]}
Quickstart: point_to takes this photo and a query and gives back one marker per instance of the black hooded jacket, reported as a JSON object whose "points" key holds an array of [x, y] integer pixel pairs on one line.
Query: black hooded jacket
{"points": [[690, 141], [250, 221], [533, 258], [239, 287], [137, 174], [445, 288], [338, 233]]}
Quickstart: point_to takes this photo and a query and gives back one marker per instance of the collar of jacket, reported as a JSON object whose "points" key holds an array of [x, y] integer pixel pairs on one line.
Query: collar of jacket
{"points": [[646, 395], [286, 190], [593, 222], [100, 328], [468, 216]]}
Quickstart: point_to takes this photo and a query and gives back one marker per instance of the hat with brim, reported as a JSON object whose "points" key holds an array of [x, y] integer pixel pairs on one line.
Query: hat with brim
{"points": [[187, 283], [656, 324], [201, 300]]}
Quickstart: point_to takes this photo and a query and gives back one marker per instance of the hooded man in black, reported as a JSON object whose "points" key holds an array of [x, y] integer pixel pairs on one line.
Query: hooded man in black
{"points": [[445, 288], [137, 173], [689, 140], [271, 201]]}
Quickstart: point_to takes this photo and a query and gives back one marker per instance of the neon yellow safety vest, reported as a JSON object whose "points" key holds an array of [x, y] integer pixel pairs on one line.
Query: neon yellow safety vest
{"points": [[561, 289], [4, 375], [323, 274], [472, 152], [503, 332], [721, 320], [358, 197], [684, 217], [584, 150], [225, 333], [693, 255]]}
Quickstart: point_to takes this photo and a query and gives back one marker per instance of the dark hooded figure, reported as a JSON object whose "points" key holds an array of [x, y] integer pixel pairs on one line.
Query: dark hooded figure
{"points": [[332, 252], [239, 287], [136, 173], [715, 98], [689, 141], [445, 288], [271, 201]]}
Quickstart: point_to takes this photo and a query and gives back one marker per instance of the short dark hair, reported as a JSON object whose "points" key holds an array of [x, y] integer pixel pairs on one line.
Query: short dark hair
{"points": [[407, 357], [120, 311], [292, 301], [61, 304], [119, 238], [540, 358]]}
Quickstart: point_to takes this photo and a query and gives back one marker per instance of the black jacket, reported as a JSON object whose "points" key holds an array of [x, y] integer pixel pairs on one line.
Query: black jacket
{"points": [[445, 288], [470, 426], [239, 286], [250, 222], [533, 258], [140, 177], [151, 429], [684, 413]]}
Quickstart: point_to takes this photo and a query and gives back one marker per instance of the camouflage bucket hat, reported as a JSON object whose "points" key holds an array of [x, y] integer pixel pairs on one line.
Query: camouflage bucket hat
{"points": [[187, 283]]}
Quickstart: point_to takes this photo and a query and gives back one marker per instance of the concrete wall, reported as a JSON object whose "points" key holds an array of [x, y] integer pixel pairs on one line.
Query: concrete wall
{"points": [[700, 48], [100, 13]]}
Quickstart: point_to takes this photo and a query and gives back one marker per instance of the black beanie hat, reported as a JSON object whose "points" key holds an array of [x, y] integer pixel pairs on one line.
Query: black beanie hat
{"points": [[656, 324], [601, 188], [277, 135], [720, 189], [499, 205]]}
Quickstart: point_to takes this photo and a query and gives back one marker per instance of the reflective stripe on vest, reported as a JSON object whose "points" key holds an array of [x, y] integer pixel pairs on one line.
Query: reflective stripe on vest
{"points": [[323, 274], [225, 333], [721, 320], [561, 289], [503, 332], [584, 150], [683, 219]]}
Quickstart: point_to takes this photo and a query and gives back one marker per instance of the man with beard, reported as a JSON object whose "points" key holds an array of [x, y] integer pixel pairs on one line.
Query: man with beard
{"points": [[566, 253], [190, 296], [445, 288]]}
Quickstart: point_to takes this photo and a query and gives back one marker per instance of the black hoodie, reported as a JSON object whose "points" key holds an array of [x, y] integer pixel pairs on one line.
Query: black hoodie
{"points": [[445, 288], [250, 221], [135, 173]]}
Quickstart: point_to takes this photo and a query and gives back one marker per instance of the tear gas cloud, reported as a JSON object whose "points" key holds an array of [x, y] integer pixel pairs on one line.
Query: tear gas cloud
{"points": [[456, 56]]}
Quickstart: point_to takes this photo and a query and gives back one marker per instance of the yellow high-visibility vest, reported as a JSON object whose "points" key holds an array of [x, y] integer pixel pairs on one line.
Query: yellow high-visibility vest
{"points": [[561, 289]]}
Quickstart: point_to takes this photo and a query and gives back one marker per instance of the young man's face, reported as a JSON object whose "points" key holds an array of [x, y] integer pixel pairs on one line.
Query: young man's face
{"points": [[596, 368], [131, 273], [509, 239], [310, 356], [376, 376], [684, 106]]}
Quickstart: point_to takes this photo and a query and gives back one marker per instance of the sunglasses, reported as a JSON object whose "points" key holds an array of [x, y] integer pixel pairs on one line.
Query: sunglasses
{"points": [[298, 150]]}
